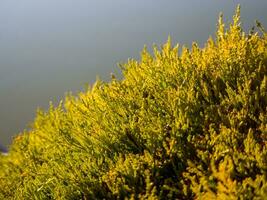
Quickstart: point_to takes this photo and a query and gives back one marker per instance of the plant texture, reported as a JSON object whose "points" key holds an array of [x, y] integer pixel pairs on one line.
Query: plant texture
{"points": [[181, 124]]}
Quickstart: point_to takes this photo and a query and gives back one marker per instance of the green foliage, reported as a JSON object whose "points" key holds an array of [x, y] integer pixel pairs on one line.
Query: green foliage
{"points": [[187, 124]]}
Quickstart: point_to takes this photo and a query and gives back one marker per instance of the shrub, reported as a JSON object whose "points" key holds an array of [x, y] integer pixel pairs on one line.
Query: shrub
{"points": [[187, 124]]}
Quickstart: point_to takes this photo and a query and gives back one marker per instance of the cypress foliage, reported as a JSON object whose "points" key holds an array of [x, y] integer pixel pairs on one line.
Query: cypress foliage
{"points": [[187, 124]]}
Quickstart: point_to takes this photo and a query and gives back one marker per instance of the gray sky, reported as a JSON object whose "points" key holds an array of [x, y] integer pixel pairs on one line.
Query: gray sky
{"points": [[48, 47]]}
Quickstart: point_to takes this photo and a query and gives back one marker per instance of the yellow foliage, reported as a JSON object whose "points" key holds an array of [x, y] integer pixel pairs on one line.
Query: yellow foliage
{"points": [[187, 124]]}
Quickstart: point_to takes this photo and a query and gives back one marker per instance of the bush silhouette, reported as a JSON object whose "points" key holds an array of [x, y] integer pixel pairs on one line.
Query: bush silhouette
{"points": [[187, 124]]}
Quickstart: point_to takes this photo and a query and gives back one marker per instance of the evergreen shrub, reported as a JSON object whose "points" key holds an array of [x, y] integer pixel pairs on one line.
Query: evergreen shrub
{"points": [[181, 124]]}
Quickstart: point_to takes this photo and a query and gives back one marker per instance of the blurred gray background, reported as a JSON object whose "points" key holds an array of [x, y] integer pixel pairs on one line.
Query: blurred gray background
{"points": [[50, 47]]}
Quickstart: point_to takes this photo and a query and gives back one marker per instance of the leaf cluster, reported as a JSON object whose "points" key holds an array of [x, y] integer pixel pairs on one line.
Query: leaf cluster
{"points": [[182, 124]]}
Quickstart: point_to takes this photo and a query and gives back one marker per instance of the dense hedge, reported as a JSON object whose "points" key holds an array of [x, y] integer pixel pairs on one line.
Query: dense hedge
{"points": [[187, 124]]}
